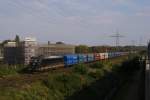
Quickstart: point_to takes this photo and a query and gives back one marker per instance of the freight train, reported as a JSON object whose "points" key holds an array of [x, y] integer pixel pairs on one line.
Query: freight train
{"points": [[41, 63]]}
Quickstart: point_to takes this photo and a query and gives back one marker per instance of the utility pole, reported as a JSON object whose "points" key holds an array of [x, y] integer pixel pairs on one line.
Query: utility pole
{"points": [[133, 45], [140, 41], [117, 37]]}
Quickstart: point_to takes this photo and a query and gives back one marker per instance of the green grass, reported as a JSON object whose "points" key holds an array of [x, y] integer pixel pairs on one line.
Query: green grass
{"points": [[6, 70], [35, 91]]}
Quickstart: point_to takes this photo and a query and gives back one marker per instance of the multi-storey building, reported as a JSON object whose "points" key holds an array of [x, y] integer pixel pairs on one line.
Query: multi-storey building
{"points": [[13, 54], [29, 49], [23, 52], [149, 50], [47, 50], [1, 53]]}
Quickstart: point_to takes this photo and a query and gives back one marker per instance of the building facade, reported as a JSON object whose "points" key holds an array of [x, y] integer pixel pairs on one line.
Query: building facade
{"points": [[149, 50], [1, 53], [29, 49], [13, 54], [47, 50], [22, 53]]}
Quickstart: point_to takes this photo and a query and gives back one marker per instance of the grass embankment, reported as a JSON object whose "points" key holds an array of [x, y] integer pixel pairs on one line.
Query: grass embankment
{"points": [[10, 70], [71, 83]]}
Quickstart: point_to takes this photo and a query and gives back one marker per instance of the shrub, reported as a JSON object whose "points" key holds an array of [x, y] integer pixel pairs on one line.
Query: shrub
{"points": [[10, 70], [63, 84], [81, 69], [97, 74], [97, 65]]}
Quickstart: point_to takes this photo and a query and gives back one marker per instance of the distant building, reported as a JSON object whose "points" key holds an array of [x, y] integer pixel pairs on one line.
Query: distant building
{"points": [[47, 50], [13, 53], [29, 49]]}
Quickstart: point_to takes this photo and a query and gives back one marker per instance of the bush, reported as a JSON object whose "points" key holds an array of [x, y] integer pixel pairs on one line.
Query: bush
{"points": [[97, 74], [34, 91], [81, 69], [10, 70], [97, 65], [63, 84]]}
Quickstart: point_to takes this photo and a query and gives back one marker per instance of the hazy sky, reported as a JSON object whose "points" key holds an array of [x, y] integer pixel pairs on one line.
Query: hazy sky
{"points": [[76, 21]]}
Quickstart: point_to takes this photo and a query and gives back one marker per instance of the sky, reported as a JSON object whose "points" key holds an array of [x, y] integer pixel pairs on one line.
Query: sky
{"points": [[90, 22]]}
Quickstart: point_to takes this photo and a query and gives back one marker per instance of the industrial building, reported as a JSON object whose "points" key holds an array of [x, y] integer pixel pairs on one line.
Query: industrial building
{"points": [[23, 52], [20, 54], [47, 50], [13, 54]]}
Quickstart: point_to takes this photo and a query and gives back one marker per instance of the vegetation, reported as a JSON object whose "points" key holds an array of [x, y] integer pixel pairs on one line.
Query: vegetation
{"points": [[82, 49], [17, 40], [97, 65], [96, 80], [6, 70], [97, 49], [80, 69]]}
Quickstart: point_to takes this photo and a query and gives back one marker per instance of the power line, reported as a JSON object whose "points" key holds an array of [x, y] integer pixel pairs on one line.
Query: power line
{"points": [[117, 37], [133, 43], [140, 41]]}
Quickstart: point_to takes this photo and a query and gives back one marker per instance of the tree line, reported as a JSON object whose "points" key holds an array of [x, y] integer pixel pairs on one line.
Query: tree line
{"points": [[97, 49]]}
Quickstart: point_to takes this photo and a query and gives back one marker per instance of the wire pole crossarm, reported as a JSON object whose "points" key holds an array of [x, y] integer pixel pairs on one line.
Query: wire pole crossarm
{"points": [[117, 36]]}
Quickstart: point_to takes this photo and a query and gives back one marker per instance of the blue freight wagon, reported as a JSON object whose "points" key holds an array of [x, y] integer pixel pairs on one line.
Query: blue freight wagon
{"points": [[90, 57], [81, 58], [85, 58], [70, 60]]}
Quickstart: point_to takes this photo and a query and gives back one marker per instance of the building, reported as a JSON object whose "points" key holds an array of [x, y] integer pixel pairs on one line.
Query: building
{"points": [[29, 49], [23, 52], [13, 54], [20, 54], [47, 50], [1, 53], [149, 50]]}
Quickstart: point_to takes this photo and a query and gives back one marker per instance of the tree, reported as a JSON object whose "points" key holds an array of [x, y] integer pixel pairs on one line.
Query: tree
{"points": [[82, 49], [17, 39], [5, 42], [60, 42]]}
